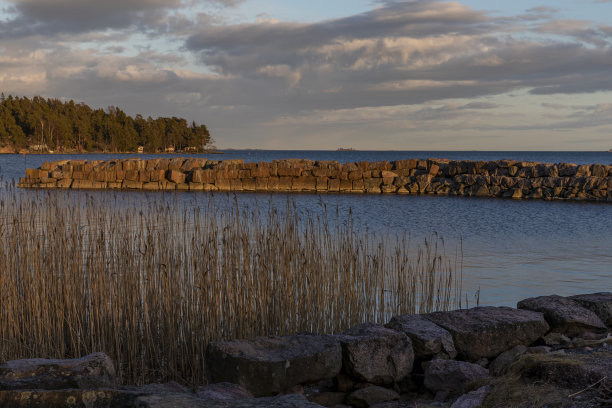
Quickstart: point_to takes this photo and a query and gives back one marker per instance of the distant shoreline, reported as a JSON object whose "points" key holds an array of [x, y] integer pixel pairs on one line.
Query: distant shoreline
{"points": [[29, 152]]}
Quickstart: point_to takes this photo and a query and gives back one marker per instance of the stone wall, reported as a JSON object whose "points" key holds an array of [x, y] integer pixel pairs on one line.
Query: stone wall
{"points": [[502, 178]]}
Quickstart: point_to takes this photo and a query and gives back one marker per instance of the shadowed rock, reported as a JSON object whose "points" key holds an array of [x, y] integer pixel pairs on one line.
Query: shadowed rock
{"points": [[573, 370], [100, 398], [428, 339], [564, 315], [503, 361], [472, 399], [223, 391], [188, 401], [269, 365], [371, 395], [169, 387], [598, 303], [488, 331], [375, 354], [92, 371], [451, 376]]}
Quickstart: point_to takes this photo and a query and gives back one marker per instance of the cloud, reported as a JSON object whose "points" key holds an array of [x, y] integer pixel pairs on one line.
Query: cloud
{"points": [[50, 17], [402, 53], [436, 65]]}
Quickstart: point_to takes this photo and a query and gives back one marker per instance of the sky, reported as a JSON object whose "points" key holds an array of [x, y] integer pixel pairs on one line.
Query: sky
{"points": [[324, 74]]}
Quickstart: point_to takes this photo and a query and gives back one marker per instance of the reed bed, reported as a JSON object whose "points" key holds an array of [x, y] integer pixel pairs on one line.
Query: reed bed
{"points": [[151, 283]]}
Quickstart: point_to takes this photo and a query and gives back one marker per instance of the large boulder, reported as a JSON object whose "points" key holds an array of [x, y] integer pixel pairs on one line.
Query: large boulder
{"points": [[452, 376], [428, 339], [375, 354], [564, 315], [598, 303], [488, 331], [92, 371], [269, 365]]}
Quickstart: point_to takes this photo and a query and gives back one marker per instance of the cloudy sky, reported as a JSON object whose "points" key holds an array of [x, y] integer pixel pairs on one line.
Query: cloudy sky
{"points": [[322, 74]]}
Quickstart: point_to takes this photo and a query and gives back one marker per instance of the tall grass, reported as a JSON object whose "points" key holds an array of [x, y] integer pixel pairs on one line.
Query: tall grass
{"points": [[152, 283]]}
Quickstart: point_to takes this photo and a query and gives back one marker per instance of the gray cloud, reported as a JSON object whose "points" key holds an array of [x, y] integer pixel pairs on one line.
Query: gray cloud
{"points": [[407, 64], [50, 17], [401, 53]]}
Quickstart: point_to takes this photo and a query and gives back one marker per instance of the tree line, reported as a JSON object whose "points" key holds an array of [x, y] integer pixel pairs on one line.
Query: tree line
{"points": [[51, 124]]}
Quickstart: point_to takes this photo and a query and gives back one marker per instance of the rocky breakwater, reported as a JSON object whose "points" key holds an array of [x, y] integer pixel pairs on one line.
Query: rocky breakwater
{"points": [[502, 178], [550, 351]]}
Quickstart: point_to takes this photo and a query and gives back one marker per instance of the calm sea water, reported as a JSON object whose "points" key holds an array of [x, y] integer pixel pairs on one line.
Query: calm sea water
{"points": [[511, 249]]}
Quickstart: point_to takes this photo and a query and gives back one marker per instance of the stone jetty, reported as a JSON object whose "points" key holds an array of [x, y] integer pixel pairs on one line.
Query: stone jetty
{"points": [[502, 178], [550, 351]]}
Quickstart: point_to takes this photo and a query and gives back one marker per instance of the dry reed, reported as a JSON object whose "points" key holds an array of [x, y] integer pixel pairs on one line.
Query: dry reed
{"points": [[151, 283]]}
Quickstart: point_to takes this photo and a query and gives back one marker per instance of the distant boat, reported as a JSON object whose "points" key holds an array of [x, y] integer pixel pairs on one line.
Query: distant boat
{"points": [[346, 149]]}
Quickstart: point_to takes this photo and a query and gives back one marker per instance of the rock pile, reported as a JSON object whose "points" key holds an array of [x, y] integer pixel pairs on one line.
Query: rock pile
{"points": [[502, 178], [551, 351]]}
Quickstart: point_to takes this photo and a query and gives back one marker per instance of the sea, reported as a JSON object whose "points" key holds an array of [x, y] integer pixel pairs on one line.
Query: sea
{"points": [[508, 250]]}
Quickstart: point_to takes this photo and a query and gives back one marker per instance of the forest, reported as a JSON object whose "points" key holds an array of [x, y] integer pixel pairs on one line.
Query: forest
{"points": [[44, 125]]}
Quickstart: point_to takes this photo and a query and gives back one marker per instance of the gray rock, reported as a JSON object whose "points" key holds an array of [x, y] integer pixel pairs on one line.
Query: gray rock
{"points": [[344, 383], [472, 399], [371, 395], [269, 365], [169, 387], [451, 376], [92, 371], [503, 361], [598, 303], [375, 354], [223, 391], [538, 350], [483, 362], [187, 401], [100, 398], [428, 339], [328, 399], [557, 340], [571, 370], [564, 315], [489, 331]]}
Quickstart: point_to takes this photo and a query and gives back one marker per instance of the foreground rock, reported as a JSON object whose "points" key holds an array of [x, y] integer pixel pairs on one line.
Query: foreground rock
{"points": [[485, 332], [188, 401], [572, 370], [269, 365], [503, 361], [95, 398], [598, 303], [428, 339], [473, 399], [339, 371], [452, 376], [223, 391], [564, 315], [375, 354], [576, 379], [92, 371], [371, 395]]}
